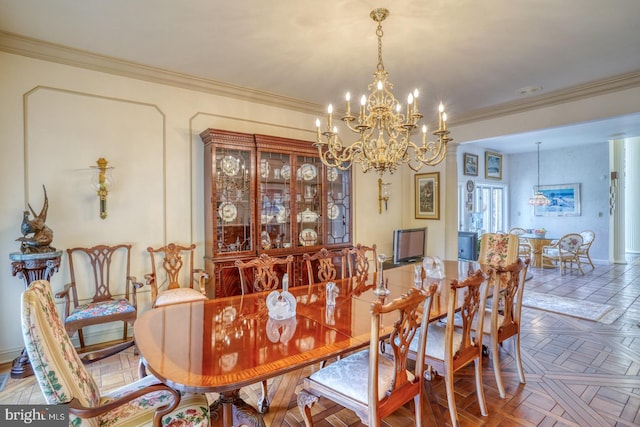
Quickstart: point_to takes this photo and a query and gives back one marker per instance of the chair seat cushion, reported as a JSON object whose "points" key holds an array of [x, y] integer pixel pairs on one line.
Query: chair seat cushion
{"points": [[100, 309], [192, 411], [178, 295], [435, 341], [349, 376]]}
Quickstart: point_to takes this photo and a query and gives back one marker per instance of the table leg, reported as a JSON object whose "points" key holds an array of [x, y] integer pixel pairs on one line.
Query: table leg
{"points": [[232, 410]]}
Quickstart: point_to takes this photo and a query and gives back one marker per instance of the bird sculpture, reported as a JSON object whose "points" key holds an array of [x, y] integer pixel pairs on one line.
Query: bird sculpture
{"points": [[42, 236]]}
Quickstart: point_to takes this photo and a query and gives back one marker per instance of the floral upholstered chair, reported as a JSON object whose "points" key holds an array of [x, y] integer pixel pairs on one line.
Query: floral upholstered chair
{"points": [[498, 249], [97, 274], [564, 252], [64, 380]]}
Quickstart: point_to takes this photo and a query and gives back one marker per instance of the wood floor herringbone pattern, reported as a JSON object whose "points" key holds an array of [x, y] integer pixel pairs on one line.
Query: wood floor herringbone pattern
{"points": [[579, 373]]}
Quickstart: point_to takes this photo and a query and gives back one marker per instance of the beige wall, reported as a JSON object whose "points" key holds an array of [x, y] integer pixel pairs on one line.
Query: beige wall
{"points": [[57, 120]]}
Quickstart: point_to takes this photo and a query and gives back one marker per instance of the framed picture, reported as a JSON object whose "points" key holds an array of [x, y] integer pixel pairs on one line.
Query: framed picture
{"points": [[565, 200], [428, 195], [470, 164], [492, 165]]}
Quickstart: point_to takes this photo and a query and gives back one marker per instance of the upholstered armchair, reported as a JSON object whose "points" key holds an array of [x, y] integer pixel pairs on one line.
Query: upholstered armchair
{"points": [[64, 380], [99, 273], [167, 264]]}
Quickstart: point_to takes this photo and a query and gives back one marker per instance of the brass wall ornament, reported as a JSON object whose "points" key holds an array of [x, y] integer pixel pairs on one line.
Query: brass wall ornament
{"points": [[385, 131], [101, 182]]}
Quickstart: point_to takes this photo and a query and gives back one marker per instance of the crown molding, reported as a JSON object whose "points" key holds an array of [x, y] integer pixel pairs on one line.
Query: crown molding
{"points": [[34, 48], [574, 93], [38, 49]]}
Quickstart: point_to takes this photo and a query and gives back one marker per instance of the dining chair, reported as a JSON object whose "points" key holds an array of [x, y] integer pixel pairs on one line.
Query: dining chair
{"points": [[64, 380], [524, 249], [360, 258], [325, 265], [504, 315], [97, 274], [498, 249], [588, 237], [564, 252], [390, 380], [449, 348], [264, 273], [166, 265]]}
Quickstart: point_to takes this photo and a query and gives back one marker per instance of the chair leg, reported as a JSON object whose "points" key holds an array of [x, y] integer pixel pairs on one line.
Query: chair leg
{"points": [[81, 338], [451, 399], [496, 367], [305, 401], [479, 388], [263, 402], [417, 403], [518, 357]]}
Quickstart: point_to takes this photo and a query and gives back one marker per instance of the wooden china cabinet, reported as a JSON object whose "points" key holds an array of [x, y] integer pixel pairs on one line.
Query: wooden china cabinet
{"points": [[266, 194]]}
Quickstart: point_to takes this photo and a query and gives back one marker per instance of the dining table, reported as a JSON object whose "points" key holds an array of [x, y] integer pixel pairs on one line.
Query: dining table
{"points": [[221, 345], [537, 243]]}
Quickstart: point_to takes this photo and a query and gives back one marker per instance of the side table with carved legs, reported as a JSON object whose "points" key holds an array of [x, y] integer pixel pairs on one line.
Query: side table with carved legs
{"points": [[30, 267]]}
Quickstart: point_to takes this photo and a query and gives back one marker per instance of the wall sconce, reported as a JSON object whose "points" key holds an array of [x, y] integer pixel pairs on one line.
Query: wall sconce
{"points": [[384, 191], [101, 182]]}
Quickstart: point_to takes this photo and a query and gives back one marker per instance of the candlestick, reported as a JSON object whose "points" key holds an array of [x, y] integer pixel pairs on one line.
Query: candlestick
{"points": [[415, 101], [318, 128], [348, 97], [363, 102], [444, 121], [330, 111]]}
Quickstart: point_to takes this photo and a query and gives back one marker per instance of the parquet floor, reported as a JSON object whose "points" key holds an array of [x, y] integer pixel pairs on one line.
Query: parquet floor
{"points": [[579, 373]]}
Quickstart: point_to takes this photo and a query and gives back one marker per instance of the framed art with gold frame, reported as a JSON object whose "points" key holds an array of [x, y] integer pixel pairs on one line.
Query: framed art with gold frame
{"points": [[427, 190]]}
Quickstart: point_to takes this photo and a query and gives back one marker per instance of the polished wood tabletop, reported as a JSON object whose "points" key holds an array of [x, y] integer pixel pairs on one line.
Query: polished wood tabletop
{"points": [[224, 344]]}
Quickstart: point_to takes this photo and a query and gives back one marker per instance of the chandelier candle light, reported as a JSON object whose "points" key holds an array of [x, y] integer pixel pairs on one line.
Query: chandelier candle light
{"points": [[385, 131]]}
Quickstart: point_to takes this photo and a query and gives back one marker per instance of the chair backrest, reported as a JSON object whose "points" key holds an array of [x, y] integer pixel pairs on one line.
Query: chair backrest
{"points": [[498, 249], [107, 268], [263, 273], [325, 265], [471, 315], [167, 261], [360, 258], [60, 373], [412, 310], [588, 237], [508, 288], [569, 243]]}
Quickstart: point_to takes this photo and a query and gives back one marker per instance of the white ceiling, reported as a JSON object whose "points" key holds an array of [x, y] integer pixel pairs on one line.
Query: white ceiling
{"points": [[471, 54]]}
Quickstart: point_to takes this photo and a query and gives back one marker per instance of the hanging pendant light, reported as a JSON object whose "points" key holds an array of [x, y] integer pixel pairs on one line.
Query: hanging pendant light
{"points": [[538, 198]]}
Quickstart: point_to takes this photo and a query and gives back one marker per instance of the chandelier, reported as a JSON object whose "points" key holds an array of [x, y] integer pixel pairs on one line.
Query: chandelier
{"points": [[385, 130], [538, 198]]}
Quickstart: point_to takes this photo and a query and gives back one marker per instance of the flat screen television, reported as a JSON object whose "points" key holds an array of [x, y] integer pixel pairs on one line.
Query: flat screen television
{"points": [[467, 245], [409, 244]]}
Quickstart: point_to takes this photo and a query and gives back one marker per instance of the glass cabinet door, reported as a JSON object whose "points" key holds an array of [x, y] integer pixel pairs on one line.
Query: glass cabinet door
{"points": [[274, 201], [232, 195], [309, 201], [338, 206]]}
